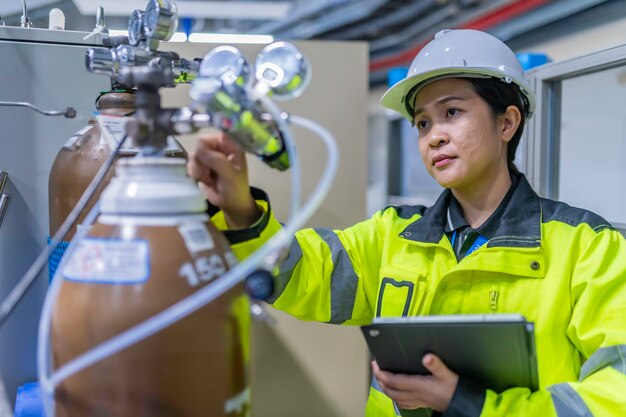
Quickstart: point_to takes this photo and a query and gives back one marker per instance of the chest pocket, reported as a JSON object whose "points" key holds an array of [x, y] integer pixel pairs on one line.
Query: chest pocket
{"points": [[394, 298]]}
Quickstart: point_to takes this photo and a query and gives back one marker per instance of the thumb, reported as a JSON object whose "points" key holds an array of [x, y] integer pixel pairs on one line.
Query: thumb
{"points": [[436, 365]]}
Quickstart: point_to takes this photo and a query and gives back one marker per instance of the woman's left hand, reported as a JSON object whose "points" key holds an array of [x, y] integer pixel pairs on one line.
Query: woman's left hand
{"points": [[414, 391]]}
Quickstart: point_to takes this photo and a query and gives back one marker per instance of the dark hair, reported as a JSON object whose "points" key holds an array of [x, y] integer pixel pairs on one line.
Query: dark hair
{"points": [[499, 96]]}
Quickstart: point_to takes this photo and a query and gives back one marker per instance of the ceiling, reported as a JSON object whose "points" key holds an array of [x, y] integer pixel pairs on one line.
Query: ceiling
{"points": [[394, 29]]}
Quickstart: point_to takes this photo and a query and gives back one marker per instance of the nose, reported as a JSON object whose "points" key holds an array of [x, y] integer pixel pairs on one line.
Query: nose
{"points": [[437, 137]]}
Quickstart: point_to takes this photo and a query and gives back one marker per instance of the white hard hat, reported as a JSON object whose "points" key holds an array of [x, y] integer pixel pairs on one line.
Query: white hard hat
{"points": [[460, 53]]}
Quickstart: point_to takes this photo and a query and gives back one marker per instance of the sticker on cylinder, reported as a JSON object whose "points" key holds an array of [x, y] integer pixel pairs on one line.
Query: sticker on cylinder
{"points": [[196, 236], [109, 261], [71, 141], [113, 130]]}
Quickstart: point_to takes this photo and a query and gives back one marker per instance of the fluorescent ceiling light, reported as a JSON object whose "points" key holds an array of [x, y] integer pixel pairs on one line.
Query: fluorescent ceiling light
{"points": [[115, 32], [176, 37], [269, 10], [229, 38], [209, 37]]}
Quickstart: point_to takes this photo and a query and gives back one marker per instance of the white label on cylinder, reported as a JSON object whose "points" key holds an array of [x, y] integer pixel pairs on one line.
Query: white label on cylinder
{"points": [[109, 261], [113, 129], [196, 237], [71, 141]]}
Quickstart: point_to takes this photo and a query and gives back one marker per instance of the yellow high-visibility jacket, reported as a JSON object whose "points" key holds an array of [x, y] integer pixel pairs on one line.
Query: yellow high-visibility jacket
{"points": [[561, 267]]}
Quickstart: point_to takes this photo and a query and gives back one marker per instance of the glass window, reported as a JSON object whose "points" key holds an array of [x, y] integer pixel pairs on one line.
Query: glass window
{"points": [[591, 153]]}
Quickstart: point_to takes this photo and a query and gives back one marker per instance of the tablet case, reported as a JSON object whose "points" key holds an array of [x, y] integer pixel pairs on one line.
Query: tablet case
{"points": [[495, 350]]}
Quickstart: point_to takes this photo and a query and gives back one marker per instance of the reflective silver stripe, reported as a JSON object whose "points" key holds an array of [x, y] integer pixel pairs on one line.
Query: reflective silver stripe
{"points": [[567, 402], [285, 270], [377, 387], [343, 280], [613, 356]]}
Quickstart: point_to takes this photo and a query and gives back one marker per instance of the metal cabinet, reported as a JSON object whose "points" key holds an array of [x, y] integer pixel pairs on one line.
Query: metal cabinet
{"points": [[47, 69]]}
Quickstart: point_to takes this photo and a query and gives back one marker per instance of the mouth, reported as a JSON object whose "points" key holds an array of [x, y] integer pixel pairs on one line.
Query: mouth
{"points": [[442, 160]]}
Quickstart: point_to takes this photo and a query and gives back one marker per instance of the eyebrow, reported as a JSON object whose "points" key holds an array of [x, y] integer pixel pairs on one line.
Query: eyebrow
{"points": [[440, 101]]}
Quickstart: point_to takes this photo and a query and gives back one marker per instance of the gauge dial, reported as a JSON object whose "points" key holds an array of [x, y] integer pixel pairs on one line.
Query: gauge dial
{"points": [[284, 69], [227, 64], [160, 20]]}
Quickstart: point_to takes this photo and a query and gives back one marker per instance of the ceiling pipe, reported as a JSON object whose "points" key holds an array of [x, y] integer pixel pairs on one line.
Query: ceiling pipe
{"points": [[421, 28], [448, 15], [352, 12], [399, 16], [485, 22], [538, 18], [300, 13]]}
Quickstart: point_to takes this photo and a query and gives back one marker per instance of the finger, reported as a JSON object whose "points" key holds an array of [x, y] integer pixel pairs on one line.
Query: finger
{"points": [[405, 399], [219, 141], [211, 194], [381, 376], [200, 172], [436, 366], [239, 163], [406, 382], [209, 141], [215, 161], [396, 381]]}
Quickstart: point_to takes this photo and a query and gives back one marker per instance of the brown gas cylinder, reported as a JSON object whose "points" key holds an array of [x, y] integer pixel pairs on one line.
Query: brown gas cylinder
{"points": [[152, 246], [82, 155]]}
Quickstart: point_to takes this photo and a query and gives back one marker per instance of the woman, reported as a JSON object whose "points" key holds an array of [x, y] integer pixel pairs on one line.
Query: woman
{"points": [[488, 245]]}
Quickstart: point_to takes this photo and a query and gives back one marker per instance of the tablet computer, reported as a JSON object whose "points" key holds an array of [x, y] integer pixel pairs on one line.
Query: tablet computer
{"points": [[495, 350]]}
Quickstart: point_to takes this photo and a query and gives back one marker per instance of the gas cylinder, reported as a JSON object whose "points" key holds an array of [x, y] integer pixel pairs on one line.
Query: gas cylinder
{"points": [[152, 245], [78, 161]]}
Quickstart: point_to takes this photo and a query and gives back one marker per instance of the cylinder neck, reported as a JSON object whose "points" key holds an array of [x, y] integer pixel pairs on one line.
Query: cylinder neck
{"points": [[152, 186]]}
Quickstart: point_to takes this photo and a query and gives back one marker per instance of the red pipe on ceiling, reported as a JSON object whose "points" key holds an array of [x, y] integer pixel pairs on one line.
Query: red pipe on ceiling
{"points": [[491, 19]]}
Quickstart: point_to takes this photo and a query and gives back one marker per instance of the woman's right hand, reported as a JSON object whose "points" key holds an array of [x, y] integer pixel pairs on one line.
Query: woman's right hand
{"points": [[219, 165]]}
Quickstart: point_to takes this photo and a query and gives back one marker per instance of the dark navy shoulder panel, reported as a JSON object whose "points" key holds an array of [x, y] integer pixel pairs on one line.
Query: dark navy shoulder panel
{"points": [[562, 212], [406, 212]]}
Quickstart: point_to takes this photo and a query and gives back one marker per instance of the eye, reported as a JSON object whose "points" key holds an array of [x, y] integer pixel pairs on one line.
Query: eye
{"points": [[421, 124], [452, 112]]}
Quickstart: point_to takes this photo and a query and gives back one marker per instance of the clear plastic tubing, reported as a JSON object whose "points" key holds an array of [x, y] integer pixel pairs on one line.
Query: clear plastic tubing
{"points": [[202, 297]]}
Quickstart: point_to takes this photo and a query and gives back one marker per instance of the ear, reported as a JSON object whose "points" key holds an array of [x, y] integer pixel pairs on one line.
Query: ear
{"points": [[509, 122]]}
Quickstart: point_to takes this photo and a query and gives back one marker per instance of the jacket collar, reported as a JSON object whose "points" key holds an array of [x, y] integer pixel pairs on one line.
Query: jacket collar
{"points": [[519, 224]]}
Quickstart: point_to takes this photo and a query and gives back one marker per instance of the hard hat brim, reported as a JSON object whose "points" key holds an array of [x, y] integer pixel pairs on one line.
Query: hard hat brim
{"points": [[395, 98]]}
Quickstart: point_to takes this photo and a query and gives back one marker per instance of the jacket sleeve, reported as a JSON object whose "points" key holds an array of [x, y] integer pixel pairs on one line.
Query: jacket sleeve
{"points": [[598, 329], [327, 275]]}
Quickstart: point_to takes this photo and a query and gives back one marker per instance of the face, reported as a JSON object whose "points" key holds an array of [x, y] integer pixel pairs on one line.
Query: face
{"points": [[462, 143]]}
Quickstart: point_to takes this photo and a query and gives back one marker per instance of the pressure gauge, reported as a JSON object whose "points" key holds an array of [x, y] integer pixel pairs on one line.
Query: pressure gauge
{"points": [[284, 69], [223, 67], [226, 64], [136, 32], [160, 19]]}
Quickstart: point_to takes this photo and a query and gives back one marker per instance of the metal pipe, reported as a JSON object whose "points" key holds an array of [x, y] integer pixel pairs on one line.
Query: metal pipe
{"points": [[338, 17], [4, 203], [403, 14], [299, 15], [494, 17], [3, 179], [540, 17], [26, 23], [69, 112], [4, 199]]}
